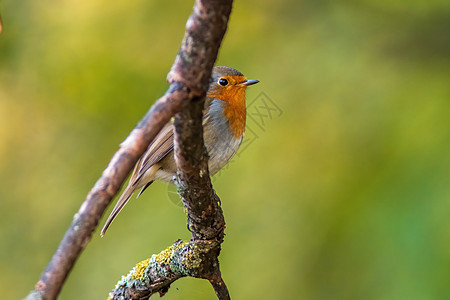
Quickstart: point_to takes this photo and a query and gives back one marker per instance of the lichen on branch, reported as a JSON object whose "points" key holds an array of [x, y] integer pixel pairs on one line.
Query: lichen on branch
{"points": [[155, 274]]}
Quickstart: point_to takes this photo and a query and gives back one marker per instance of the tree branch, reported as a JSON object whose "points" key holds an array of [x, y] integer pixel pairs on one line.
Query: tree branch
{"points": [[199, 256], [154, 275], [189, 78], [220, 288]]}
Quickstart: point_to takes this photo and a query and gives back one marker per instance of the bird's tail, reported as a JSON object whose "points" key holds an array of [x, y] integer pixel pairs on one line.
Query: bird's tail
{"points": [[119, 206]]}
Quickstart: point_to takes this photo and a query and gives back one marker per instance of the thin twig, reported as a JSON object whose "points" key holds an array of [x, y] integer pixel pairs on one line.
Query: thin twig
{"points": [[220, 288]]}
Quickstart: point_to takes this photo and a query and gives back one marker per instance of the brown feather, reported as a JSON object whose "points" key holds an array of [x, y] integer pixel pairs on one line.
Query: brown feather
{"points": [[161, 146], [123, 200]]}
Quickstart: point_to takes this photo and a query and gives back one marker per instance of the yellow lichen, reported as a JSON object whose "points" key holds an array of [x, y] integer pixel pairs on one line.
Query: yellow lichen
{"points": [[181, 245], [139, 269], [164, 256]]}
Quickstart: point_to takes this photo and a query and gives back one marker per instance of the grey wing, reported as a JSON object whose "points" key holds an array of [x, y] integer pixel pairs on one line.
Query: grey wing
{"points": [[161, 146]]}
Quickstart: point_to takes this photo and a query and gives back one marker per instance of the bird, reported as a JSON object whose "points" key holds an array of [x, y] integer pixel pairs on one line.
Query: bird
{"points": [[223, 120]]}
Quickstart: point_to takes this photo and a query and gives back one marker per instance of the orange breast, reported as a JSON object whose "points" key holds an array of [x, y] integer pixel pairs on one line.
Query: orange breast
{"points": [[235, 112], [234, 109]]}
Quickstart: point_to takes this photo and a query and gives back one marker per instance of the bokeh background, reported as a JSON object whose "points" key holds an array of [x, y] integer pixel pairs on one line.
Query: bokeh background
{"points": [[342, 191]]}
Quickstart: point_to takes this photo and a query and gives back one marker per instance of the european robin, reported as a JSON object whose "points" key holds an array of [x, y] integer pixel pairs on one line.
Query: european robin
{"points": [[223, 130]]}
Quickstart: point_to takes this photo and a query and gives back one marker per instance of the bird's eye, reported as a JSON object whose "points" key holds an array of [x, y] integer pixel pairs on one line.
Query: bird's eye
{"points": [[223, 81]]}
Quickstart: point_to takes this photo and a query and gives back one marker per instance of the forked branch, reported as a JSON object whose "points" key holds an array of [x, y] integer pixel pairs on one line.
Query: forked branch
{"points": [[188, 78]]}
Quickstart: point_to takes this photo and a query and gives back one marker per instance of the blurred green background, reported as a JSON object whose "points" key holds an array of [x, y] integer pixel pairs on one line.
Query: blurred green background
{"points": [[342, 192]]}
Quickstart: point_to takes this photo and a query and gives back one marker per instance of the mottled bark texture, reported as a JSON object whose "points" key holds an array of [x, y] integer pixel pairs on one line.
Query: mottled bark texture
{"points": [[188, 78]]}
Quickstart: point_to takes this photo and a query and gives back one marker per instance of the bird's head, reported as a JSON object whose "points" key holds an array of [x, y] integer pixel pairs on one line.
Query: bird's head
{"points": [[229, 85]]}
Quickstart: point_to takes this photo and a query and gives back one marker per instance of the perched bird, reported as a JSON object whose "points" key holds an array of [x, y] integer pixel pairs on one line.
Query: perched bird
{"points": [[223, 130]]}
